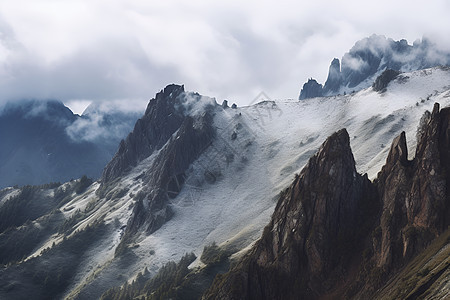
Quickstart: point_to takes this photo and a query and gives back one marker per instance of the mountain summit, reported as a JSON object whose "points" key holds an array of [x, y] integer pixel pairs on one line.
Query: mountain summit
{"points": [[368, 58]]}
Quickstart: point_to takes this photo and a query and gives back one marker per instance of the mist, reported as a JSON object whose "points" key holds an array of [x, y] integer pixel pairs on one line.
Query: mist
{"points": [[103, 51], [108, 122]]}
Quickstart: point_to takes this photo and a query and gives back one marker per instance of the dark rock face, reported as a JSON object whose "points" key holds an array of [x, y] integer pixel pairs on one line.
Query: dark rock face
{"points": [[332, 224], [167, 127], [193, 137], [334, 79], [415, 193], [383, 80], [311, 89], [371, 56], [312, 232], [151, 132]]}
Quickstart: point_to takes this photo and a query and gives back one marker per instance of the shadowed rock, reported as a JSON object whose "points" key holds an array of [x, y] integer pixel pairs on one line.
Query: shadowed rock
{"points": [[151, 132], [383, 80], [167, 127], [311, 89], [311, 235]]}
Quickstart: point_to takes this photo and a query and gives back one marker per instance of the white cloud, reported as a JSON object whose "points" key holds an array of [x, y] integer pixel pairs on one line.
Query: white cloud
{"points": [[105, 50]]}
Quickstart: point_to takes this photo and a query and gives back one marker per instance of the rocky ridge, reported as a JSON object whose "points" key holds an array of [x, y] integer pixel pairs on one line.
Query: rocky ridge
{"points": [[332, 224], [176, 138]]}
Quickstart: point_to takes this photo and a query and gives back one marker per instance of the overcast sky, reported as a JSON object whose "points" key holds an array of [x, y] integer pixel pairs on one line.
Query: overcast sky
{"points": [[109, 50]]}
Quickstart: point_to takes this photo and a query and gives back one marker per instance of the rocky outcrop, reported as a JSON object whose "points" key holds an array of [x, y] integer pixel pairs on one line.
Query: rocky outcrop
{"points": [[168, 172], [151, 132], [415, 193], [311, 89], [177, 136], [334, 79], [383, 80], [332, 225], [369, 57], [312, 236]]}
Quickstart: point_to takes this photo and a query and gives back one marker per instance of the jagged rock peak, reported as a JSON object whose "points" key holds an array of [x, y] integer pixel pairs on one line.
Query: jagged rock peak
{"points": [[334, 79], [311, 232], [163, 116], [398, 151], [415, 193], [164, 97], [311, 89], [176, 128]]}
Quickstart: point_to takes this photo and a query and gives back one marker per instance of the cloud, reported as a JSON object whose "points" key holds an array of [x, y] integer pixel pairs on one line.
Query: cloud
{"points": [[106, 121], [193, 104], [109, 50]]}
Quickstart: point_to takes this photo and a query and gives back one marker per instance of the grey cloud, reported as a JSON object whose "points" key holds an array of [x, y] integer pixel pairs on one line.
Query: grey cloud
{"points": [[111, 70], [105, 121], [224, 49]]}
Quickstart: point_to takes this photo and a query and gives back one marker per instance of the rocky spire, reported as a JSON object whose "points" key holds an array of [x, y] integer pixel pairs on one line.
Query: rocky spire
{"points": [[312, 231], [311, 89], [151, 132], [334, 79], [415, 193], [178, 136]]}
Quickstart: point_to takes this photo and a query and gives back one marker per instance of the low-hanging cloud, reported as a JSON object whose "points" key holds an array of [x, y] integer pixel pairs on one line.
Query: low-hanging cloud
{"points": [[102, 50], [105, 121], [193, 104]]}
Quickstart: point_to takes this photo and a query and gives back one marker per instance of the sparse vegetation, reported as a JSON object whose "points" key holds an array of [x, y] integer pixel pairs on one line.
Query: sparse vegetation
{"points": [[30, 204], [419, 275], [165, 285], [175, 280], [48, 275], [17, 243], [213, 255]]}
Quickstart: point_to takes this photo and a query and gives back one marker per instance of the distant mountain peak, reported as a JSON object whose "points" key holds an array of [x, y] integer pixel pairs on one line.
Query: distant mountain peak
{"points": [[369, 57], [43, 141]]}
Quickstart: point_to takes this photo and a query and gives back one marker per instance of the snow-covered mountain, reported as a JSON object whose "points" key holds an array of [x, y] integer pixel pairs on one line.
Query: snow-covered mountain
{"points": [[192, 174], [368, 58], [43, 141]]}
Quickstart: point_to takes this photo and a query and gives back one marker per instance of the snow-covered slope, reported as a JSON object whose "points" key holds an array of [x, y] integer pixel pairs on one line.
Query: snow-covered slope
{"points": [[229, 192]]}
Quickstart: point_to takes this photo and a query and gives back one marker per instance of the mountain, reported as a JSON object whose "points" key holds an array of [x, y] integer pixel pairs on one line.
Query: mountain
{"points": [[332, 224], [43, 141], [192, 187], [368, 58]]}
